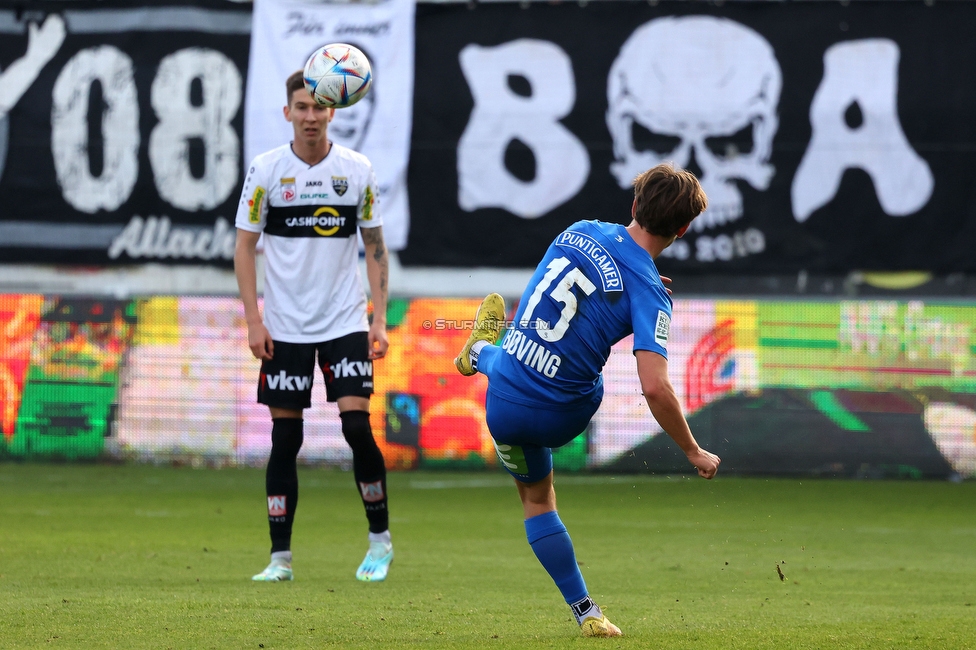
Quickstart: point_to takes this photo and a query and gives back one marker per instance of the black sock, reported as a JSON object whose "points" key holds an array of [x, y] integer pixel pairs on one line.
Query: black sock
{"points": [[368, 468], [281, 480]]}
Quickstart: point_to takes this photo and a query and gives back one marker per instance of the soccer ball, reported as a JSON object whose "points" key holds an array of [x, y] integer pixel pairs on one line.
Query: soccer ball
{"points": [[338, 75]]}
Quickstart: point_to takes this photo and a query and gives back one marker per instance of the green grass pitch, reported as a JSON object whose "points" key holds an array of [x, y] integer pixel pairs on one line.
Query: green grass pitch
{"points": [[98, 556]]}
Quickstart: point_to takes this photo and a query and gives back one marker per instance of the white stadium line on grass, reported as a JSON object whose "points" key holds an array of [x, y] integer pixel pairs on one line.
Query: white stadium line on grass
{"points": [[451, 484], [464, 483]]}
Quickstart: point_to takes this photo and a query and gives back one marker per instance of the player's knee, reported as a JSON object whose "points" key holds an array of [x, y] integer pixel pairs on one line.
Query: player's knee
{"points": [[286, 438], [539, 494], [357, 432]]}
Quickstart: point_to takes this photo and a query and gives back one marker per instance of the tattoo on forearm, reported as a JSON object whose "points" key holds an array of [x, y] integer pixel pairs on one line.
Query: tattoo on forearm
{"points": [[374, 237]]}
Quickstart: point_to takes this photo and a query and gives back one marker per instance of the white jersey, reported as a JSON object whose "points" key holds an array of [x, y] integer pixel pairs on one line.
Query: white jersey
{"points": [[313, 291]]}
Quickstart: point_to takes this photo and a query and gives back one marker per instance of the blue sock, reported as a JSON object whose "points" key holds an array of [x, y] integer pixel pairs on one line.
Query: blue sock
{"points": [[551, 544]]}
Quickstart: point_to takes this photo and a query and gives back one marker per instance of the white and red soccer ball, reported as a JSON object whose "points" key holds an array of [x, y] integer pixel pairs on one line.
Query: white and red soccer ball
{"points": [[338, 75]]}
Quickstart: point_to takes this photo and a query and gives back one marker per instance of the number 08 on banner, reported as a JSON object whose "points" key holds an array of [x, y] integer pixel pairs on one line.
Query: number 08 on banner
{"points": [[338, 75]]}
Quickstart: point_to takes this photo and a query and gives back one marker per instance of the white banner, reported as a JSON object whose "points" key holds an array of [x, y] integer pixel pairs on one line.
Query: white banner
{"points": [[285, 33]]}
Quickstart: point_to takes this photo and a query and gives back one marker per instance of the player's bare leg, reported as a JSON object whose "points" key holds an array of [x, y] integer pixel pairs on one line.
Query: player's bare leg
{"points": [[551, 544]]}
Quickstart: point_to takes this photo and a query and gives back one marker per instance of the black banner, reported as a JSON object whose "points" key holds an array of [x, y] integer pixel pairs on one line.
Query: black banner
{"points": [[121, 130], [827, 137]]}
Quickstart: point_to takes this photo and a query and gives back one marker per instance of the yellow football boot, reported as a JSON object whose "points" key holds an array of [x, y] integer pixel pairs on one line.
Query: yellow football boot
{"points": [[599, 627], [488, 324]]}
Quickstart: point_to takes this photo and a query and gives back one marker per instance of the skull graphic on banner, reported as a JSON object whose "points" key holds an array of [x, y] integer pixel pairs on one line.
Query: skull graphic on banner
{"points": [[693, 83]]}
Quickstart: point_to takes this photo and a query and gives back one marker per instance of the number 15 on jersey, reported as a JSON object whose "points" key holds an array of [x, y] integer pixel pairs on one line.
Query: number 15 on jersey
{"points": [[562, 292]]}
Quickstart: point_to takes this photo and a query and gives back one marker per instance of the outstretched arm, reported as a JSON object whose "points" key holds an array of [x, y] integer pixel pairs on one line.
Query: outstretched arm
{"points": [[652, 369], [378, 274]]}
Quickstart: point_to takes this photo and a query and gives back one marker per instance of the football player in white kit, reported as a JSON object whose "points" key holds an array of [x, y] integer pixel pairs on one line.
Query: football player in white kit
{"points": [[309, 198]]}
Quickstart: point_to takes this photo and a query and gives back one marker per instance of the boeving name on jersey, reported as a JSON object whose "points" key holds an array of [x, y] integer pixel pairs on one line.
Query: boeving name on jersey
{"points": [[311, 221], [532, 354]]}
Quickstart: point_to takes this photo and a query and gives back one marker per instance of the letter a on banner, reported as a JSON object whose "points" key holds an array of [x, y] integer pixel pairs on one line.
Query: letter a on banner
{"points": [[500, 116], [864, 72]]}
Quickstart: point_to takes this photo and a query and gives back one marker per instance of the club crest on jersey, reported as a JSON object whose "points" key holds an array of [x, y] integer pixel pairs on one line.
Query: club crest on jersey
{"points": [[288, 192], [340, 184]]}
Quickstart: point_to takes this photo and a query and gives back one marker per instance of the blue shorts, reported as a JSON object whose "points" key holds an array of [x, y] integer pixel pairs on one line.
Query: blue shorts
{"points": [[525, 435]]}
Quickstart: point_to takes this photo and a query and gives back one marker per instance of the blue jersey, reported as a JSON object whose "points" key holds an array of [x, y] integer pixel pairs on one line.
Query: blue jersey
{"points": [[594, 286]]}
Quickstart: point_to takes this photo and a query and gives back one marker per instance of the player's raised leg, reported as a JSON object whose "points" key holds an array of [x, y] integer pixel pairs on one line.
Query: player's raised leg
{"points": [[488, 324]]}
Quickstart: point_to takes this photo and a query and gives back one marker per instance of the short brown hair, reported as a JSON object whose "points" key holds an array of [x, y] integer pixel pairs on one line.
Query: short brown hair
{"points": [[295, 81], [667, 199]]}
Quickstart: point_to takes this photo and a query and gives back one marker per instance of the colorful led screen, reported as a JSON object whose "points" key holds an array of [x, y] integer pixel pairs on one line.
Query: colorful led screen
{"points": [[834, 388]]}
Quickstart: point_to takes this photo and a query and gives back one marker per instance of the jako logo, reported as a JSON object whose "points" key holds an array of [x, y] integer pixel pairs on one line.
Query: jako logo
{"points": [[276, 506], [313, 183], [372, 492], [281, 381], [346, 368]]}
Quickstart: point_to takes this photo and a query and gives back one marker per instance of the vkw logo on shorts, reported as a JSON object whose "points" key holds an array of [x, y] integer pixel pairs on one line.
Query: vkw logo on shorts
{"points": [[347, 368], [340, 184], [281, 381], [372, 492]]}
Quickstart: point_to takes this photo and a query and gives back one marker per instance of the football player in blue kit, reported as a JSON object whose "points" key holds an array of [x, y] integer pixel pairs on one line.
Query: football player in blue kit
{"points": [[596, 284]]}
